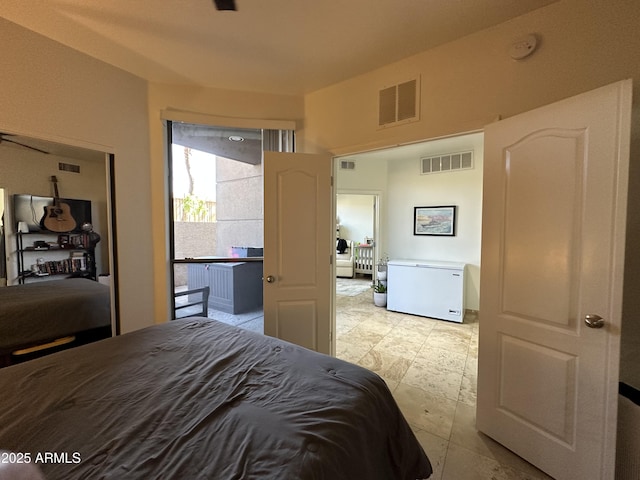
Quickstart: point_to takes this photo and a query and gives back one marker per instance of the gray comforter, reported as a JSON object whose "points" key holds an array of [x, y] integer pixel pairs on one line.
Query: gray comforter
{"points": [[198, 399], [40, 312]]}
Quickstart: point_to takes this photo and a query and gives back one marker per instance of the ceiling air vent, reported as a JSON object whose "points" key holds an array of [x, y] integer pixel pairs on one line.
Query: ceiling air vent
{"points": [[398, 104], [446, 163], [347, 165]]}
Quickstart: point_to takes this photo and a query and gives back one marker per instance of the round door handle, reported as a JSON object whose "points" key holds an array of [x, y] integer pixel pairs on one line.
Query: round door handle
{"points": [[270, 279], [594, 321]]}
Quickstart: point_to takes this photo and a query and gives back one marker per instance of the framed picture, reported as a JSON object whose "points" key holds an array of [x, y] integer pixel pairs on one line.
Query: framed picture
{"points": [[434, 220]]}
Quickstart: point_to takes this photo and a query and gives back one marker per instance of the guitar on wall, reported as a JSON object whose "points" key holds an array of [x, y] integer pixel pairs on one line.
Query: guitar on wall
{"points": [[57, 217]]}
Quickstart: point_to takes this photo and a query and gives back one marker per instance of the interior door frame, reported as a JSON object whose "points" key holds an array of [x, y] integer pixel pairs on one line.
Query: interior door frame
{"points": [[377, 196], [356, 150]]}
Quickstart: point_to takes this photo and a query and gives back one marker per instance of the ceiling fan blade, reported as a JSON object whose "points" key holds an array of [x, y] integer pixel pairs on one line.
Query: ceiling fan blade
{"points": [[3, 139], [225, 4]]}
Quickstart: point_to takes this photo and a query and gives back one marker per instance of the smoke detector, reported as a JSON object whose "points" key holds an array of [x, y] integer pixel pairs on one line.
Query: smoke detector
{"points": [[523, 47]]}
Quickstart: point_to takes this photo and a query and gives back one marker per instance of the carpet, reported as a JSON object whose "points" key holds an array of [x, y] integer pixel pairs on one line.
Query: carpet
{"points": [[350, 287]]}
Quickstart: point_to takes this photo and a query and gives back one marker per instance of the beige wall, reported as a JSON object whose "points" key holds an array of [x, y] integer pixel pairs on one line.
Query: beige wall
{"points": [[584, 44], [224, 105], [50, 91], [408, 189], [470, 82], [356, 216]]}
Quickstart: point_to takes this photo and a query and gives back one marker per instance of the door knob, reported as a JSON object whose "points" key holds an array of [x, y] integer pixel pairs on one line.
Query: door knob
{"points": [[593, 321], [270, 279]]}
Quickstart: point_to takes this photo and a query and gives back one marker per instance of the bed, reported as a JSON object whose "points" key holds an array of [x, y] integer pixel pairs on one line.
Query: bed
{"points": [[55, 314], [198, 399]]}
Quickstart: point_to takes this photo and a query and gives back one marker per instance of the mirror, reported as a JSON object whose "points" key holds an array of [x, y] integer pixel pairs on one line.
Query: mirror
{"points": [[55, 204]]}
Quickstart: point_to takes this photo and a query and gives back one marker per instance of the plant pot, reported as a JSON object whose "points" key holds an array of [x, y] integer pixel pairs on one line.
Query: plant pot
{"points": [[379, 299], [382, 275]]}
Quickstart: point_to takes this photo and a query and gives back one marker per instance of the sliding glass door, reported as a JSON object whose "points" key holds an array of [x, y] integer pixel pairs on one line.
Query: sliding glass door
{"points": [[216, 220]]}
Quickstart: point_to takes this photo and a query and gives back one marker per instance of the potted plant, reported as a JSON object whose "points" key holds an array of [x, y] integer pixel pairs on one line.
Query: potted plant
{"points": [[382, 268], [380, 294]]}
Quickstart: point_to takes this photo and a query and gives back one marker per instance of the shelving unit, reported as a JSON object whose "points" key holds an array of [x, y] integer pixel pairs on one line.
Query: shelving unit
{"points": [[80, 261]]}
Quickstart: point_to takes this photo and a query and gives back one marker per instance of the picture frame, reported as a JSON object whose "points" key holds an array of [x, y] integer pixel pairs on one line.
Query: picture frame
{"points": [[435, 220]]}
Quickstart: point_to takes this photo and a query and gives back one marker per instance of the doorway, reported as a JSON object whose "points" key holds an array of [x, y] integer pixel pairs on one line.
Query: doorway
{"points": [[356, 224], [429, 365], [216, 220], [356, 248], [398, 178]]}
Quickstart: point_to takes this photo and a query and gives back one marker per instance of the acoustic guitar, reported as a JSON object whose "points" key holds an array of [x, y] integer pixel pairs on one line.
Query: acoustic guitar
{"points": [[57, 217]]}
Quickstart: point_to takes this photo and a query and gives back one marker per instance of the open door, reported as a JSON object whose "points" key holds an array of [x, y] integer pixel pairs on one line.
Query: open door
{"points": [[555, 190], [299, 245]]}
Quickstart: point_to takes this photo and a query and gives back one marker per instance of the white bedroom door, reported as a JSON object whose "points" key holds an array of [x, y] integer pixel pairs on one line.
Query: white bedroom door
{"points": [[299, 244], [555, 189]]}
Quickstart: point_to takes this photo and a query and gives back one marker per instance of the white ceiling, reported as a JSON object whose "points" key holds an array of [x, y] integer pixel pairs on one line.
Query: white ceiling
{"points": [[278, 46]]}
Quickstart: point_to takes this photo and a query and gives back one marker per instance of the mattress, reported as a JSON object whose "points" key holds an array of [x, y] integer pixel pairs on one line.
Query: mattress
{"points": [[198, 399], [39, 312]]}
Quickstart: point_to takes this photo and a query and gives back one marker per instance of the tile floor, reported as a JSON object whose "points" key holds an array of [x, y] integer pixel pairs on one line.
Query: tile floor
{"points": [[253, 320], [430, 366]]}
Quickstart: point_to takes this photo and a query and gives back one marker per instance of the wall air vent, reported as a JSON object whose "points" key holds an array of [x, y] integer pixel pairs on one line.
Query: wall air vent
{"points": [[347, 165], [68, 167], [399, 104], [446, 163]]}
